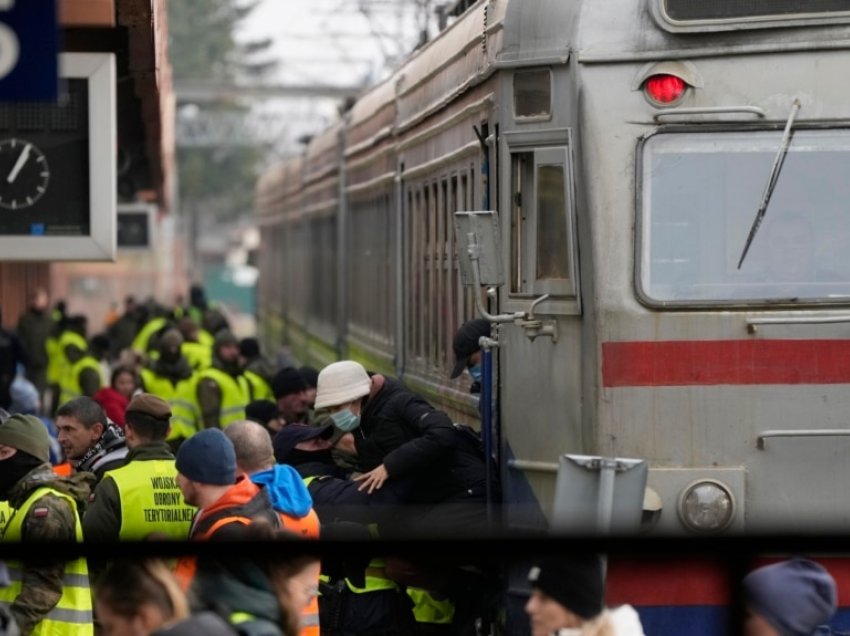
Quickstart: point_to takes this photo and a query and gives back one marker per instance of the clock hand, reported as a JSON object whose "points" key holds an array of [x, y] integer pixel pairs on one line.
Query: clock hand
{"points": [[19, 164]]}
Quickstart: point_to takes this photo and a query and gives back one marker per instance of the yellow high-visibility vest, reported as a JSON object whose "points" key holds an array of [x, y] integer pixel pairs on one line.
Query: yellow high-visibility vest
{"points": [[70, 387], [6, 512], [151, 501], [62, 365], [199, 355], [55, 360], [427, 609], [260, 389], [185, 410], [72, 615], [376, 579], [235, 395], [142, 340]]}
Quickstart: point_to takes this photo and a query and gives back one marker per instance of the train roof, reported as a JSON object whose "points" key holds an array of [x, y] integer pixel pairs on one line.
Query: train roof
{"points": [[373, 116], [495, 34], [320, 155], [278, 183], [459, 58]]}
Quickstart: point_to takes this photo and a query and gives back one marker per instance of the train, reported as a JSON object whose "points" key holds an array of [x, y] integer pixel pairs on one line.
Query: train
{"points": [[668, 181]]}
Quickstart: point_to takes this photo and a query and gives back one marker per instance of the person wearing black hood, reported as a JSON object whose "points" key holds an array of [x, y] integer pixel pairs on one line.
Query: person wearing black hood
{"points": [[47, 597], [88, 438], [467, 350], [223, 390]]}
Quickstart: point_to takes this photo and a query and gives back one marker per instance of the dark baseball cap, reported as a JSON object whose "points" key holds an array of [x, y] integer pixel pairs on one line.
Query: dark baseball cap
{"points": [[292, 434], [466, 342]]}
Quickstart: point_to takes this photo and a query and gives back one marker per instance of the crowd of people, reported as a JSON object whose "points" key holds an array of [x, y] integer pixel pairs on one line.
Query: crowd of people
{"points": [[198, 436]]}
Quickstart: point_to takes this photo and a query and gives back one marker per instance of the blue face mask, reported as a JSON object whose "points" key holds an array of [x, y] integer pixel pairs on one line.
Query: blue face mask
{"points": [[475, 372], [345, 420]]}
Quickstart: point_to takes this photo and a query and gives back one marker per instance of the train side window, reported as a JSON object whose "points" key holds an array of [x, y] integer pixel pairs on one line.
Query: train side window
{"points": [[542, 247], [533, 94]]}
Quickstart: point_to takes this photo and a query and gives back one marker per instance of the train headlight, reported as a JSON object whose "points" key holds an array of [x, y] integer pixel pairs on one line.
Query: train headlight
{"points": [[707, 505]]}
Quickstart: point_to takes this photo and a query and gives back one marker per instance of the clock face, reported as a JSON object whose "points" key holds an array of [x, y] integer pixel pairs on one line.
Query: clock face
{"points": [[24, 173], [44, 165]]}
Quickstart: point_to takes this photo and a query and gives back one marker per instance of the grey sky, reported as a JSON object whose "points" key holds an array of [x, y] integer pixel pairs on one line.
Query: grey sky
{"points": [[340, 42]]}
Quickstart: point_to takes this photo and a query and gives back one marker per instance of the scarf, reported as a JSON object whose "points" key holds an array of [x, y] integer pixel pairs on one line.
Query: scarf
{"points": [[112, 438]]}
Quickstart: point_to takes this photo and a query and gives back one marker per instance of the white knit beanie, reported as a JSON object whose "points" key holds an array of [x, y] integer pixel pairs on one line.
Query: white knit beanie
{"points": [[342, 382]]}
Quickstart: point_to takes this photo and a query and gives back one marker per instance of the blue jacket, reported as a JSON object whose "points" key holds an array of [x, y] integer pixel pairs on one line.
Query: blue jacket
{"points": [[286, 489]]}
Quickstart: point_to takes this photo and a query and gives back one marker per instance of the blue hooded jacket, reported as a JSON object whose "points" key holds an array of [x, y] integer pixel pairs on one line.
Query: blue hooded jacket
{"points": [[286, 490]]}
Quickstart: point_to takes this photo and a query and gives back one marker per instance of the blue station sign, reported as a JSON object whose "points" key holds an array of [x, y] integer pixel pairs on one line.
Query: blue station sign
{"points": [[29, 50]]}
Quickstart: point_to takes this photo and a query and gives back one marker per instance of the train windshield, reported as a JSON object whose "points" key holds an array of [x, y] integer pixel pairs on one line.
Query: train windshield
{"points": [[699, 197]]}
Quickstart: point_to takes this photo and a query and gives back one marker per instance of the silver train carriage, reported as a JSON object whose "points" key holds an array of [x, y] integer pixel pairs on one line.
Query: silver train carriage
{"points": [[628, 147]]}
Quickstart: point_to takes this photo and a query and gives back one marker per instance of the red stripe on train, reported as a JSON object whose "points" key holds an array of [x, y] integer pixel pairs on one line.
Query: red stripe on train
{"points": [[694, 581], [662, 582], [733, 362]]}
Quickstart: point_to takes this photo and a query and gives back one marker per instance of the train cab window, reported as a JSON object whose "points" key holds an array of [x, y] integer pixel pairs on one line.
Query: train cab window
{"points": [[541, 224], [699, 194], [533, 94]]}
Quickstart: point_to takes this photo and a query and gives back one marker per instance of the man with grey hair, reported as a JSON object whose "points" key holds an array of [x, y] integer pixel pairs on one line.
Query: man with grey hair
{"points": [[254, 452], [90, 440], [287, 492]]}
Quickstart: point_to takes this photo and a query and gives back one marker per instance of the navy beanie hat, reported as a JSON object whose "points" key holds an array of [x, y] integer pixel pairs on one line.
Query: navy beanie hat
{"points": [[793, 596], [208, 458], [576, 582]]}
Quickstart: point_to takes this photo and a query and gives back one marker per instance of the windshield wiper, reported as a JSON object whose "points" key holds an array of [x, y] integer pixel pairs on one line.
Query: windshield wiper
{"points": [[772, 179]]}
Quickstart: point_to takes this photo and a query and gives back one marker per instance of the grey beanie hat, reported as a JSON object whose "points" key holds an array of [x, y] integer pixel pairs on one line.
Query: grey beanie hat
{"points": [[793, 596], [26, 433]]}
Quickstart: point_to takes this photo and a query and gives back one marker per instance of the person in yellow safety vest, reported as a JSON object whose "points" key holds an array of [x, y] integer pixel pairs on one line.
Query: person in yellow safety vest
{"points": [[223, 390], [372, 606], [172, 378], [144, 341], [84, 375], [287, 493], [46, 598], [141, 498], [197, 345], [258, 370]]}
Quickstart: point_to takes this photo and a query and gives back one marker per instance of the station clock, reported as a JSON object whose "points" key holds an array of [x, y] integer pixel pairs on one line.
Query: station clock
{"points": [[44, 165], [58, 167]]}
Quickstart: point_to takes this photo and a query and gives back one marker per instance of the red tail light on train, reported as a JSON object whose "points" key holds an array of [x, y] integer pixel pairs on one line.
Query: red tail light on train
{"points": [[664, 89]]}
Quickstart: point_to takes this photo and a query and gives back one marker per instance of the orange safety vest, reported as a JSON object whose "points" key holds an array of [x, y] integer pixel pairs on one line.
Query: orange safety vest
{"points": [[186, 567], [306, 526], [64, 469], [310, 619]]}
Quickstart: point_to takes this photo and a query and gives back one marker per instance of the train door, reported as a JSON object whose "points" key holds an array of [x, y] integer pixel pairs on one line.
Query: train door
{"points": [[540, 376]]}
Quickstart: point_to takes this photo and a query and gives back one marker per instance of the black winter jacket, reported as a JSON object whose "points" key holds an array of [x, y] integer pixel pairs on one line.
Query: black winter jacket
{"points": [[414, 440]]}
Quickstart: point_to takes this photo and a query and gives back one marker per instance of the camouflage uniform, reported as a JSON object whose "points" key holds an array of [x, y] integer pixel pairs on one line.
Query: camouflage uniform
{"points": [[49, 519]]}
